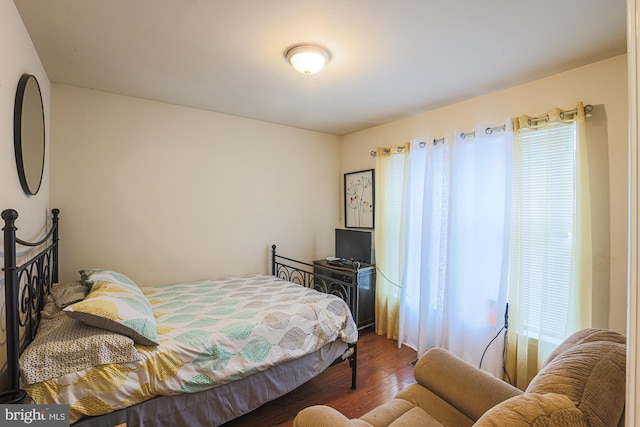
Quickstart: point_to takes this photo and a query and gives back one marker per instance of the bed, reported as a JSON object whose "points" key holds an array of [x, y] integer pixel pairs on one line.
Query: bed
{"points": [[198, 353]]}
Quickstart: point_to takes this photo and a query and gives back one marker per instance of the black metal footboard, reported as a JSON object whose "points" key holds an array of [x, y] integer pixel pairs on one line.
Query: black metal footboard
{"points": [[303, 274]]}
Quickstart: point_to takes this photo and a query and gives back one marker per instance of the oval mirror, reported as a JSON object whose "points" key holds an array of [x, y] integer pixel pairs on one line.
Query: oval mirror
{"points": [[28, 133]]}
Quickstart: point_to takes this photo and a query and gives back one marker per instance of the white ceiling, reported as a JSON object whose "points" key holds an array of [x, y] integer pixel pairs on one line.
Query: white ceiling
{"points": [[390, 58]]}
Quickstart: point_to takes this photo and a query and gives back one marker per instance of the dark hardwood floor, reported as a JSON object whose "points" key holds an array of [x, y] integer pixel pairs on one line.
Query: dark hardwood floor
{"points": [[383, 370]]}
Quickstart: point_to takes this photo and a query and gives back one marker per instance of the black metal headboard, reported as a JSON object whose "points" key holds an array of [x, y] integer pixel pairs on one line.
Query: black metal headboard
{"points": [[26, 287]]}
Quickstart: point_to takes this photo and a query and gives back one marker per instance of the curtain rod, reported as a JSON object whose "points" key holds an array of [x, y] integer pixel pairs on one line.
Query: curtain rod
{"points": [[491, 130], [488, 131], [463, 135], [588, 109], [388, 150], [587, 112], [399, 149]]}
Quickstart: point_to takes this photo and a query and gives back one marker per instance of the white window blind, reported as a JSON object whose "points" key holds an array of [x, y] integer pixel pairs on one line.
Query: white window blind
{"points": [[394, 220], [542, 224]]}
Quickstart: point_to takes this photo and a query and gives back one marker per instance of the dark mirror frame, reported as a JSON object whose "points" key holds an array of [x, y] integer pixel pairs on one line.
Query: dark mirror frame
{"points": [[29, 133]]}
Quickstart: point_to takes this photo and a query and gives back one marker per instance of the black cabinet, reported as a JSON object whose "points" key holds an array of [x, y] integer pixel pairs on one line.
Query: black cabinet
{"points": [[363, 280]]}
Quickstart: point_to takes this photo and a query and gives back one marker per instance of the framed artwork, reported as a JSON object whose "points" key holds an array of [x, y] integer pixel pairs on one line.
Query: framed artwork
{"points": [[359, 197]]}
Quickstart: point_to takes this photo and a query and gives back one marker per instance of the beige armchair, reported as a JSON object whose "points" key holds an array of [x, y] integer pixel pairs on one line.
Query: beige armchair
{"points": [[582, 383]]}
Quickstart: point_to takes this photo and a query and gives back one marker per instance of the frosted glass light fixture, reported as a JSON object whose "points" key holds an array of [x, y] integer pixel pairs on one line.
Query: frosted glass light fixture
{"points": [[307, 59]]}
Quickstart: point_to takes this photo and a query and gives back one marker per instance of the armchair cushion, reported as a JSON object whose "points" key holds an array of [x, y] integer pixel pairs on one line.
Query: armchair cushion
{"points": [[440, 411]]}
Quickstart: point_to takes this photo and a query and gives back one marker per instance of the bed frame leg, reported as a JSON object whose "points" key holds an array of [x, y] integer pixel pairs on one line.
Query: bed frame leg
{"points": [[353, 361]]}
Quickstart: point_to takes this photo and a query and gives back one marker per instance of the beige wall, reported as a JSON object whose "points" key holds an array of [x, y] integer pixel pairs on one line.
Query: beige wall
{"points": [[165, 193], [602, 84], [18, 57]]}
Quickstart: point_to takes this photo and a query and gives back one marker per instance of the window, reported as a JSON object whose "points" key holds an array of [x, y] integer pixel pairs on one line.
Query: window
{"points": [[512, 224]]}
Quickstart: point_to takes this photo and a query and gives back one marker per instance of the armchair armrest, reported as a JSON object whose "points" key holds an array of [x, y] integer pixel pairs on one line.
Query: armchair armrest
{"points": [[325, 416], [469, 389], [530, 409]]}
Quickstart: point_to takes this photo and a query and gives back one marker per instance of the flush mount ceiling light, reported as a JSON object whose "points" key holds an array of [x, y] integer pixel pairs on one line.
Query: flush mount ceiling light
{"points": [[307, 59]]}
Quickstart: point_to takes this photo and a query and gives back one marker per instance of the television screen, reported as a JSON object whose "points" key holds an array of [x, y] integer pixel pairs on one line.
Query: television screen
{"points": [[353, 244]]}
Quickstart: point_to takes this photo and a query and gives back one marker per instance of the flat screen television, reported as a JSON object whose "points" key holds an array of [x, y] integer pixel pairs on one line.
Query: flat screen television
{"points": [[353, 245]]}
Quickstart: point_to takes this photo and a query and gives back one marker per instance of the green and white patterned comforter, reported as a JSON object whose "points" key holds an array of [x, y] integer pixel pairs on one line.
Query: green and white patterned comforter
{"points": [[211, 332]]}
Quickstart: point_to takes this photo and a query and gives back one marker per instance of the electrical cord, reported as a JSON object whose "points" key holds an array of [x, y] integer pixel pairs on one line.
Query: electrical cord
{"points": [[504, 360], [488, 345], [504, 348], [387, 279]]}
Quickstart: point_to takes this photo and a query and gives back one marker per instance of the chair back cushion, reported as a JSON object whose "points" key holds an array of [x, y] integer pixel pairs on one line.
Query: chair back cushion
{"points": [[592, 375], [583, 336]]}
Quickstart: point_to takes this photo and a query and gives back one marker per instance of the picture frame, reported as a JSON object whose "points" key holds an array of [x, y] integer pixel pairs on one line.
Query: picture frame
{"points": [[359, 199]]}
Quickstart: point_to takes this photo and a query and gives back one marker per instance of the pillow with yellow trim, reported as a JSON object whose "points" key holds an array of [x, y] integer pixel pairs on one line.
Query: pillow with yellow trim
{"points": [[116, 305], [88, 277]]}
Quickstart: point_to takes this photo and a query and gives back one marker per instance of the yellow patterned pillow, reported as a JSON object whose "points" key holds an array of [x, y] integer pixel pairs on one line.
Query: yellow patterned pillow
{"points": [[115, 303]]}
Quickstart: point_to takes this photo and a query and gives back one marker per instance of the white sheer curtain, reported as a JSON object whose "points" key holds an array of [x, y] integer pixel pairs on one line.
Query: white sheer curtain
{"points": [[422, 300], [454, 281], [478, 245]]}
